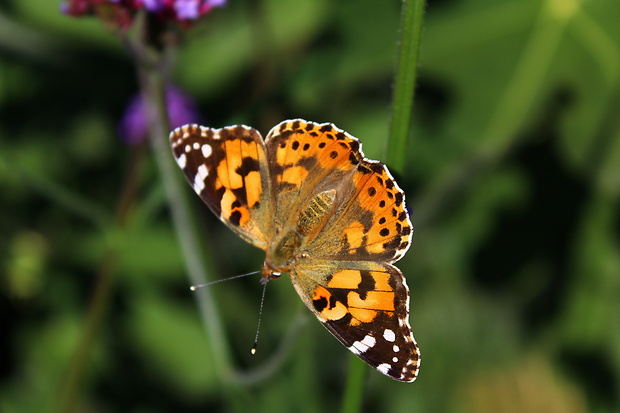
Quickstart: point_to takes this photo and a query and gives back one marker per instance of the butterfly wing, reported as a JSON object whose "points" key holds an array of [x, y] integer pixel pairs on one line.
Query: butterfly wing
{"points": [[365, 305], [347, 279], [227, 168], [307, 158], [372, 224]]}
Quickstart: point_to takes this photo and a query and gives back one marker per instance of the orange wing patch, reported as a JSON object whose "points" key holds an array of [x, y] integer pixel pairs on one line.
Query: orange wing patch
{"points": [[360, 293], [327, 306]]}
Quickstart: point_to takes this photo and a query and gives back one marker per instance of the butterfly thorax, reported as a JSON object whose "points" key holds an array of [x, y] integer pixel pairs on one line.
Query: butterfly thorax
{"points": [[288, 247]]}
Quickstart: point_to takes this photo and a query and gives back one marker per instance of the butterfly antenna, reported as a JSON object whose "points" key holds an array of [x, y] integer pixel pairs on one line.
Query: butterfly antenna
{"points": [[195, 287], [260, 316]]}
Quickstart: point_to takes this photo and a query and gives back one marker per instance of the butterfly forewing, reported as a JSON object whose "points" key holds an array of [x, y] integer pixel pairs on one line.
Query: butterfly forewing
{"points": [[373, 224], [228, 168], [307, 158]]}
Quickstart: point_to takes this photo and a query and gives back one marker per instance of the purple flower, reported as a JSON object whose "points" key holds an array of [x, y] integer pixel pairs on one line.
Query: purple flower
{"points": [[153, 6], [186, 9], [133, 128], [121, 12]]}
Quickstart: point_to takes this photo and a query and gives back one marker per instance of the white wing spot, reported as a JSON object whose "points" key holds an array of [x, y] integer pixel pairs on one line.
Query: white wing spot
{"points": [[396, 348], [187, 148], [369, 341], [199, 179], [206, 150], [395, 359], [359, 347], [182, 161], [389, 335], [203, 172], [354, 349], [384, 368], [196, 145]]}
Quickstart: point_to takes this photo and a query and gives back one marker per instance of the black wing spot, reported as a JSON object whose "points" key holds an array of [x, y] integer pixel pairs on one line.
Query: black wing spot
{"points": [[364, 169], [376, 167], [353, 158], [235, 218], [393, 244], [320, 304], [367, 284], [247, 165], [399, 198]]}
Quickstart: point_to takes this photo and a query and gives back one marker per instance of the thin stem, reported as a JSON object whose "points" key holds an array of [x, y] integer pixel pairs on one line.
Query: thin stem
{"points": [[404, 88], [153, 90], [70, 387], [353, 394], [404, 85]]}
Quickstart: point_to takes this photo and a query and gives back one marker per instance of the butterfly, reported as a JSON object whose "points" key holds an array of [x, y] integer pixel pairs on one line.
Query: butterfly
{"points": [[331, 219]]}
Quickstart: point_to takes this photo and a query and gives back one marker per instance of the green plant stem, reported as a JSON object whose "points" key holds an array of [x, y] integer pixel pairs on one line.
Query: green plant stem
{"points": [[404, 88], [353, 393], [153, 90], [404, 84], [71, 385]]}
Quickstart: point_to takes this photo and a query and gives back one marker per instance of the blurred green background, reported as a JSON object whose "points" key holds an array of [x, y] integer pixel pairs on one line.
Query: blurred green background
{"points": [[513, 177]]}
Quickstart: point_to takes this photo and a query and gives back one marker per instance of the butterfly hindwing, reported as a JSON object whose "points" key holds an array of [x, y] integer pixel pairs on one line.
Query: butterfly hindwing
{"points": [[365, 305]]}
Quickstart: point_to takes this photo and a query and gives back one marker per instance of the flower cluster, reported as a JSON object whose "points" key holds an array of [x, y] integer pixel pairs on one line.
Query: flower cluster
{"points": [[122, 12]]}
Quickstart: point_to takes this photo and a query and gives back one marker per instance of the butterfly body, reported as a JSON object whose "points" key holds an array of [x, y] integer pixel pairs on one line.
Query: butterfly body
{"points": [[331, 219]]}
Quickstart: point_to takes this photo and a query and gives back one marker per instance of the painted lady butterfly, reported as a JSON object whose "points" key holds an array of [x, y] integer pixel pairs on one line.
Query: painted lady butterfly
{"points": [[330, 218]]}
